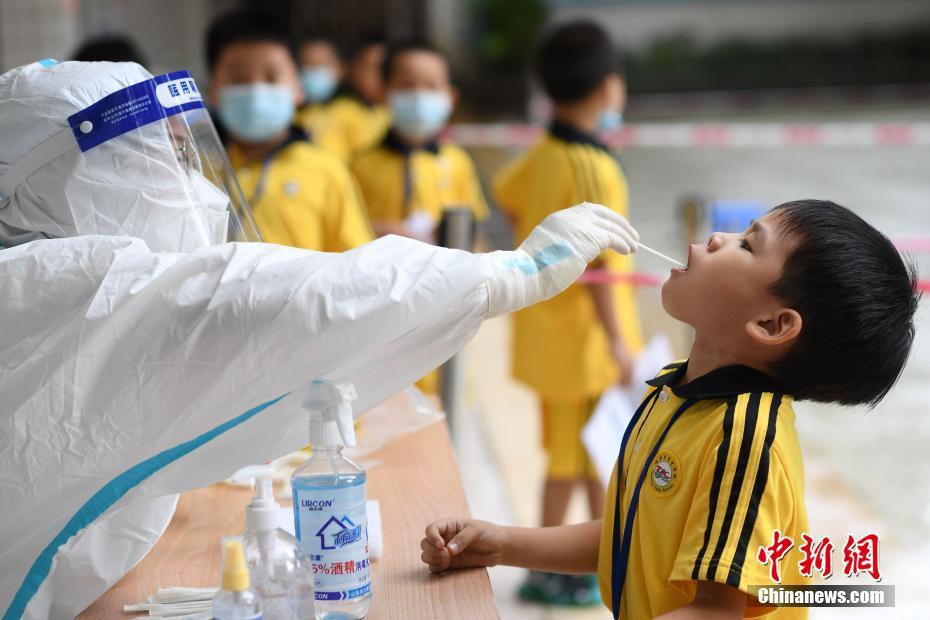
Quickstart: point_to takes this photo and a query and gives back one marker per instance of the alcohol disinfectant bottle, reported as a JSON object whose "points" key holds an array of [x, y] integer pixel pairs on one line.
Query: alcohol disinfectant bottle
{"points": [[235, 600], [329, 507]]}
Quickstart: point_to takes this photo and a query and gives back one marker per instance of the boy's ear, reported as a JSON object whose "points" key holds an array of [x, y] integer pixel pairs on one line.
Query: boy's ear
{"points": [[454, 95], [778, 328]]}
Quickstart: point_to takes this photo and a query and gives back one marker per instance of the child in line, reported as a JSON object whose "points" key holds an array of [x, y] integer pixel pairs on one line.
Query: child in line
{"points": [[300, 195], [809, 303], [411, 176], [570, 349], [358, 111], [321, 71]]}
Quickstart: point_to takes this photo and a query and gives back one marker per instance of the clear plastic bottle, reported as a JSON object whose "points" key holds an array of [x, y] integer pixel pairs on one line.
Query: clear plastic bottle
{"points": [[279, 568], [235, 600], [331, 524]]}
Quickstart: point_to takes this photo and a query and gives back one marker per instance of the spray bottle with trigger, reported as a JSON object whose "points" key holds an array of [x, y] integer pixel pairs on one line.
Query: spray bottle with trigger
{"points": [[329, 505]]}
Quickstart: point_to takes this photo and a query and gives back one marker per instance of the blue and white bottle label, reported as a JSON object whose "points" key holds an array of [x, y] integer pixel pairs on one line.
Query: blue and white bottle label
{"points": [[332, 526]]}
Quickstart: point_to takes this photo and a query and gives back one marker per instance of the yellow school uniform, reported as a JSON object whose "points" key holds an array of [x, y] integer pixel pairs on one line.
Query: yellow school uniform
{"points": [[397, 181], [322, 127], [562, 423], [354, 125], [718, 468], [303, 196], [560, 348]]}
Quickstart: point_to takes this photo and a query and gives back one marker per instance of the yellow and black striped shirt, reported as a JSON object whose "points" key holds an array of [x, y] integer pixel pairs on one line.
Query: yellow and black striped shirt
{"points": [[721, 470]]}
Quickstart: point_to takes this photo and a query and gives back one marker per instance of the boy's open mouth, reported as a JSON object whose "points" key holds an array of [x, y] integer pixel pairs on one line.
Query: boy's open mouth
{"points": [[685, 268]]}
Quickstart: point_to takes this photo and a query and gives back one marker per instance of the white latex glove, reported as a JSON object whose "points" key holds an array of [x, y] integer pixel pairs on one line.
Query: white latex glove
{"points": [[555, 254]]}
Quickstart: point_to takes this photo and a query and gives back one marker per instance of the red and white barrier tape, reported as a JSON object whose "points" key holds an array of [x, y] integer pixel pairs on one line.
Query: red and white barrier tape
{"points": [[601, 276], [713, 135]]}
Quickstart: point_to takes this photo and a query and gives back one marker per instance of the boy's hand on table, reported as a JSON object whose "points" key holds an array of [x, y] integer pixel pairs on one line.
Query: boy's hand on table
{"points": [[462, 543]]}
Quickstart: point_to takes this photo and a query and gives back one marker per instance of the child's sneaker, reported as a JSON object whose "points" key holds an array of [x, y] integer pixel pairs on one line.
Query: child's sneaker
{"points": [[581, 590], [539, 587], [561, 590]]}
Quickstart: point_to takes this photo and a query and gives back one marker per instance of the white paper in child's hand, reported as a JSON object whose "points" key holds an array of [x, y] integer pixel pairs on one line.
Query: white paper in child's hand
{"points": [[420, 224], [603, 433]]}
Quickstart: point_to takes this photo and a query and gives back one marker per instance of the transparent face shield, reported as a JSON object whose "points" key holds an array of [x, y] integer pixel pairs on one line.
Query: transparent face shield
{"points": [[201, 152], [154, 167]]}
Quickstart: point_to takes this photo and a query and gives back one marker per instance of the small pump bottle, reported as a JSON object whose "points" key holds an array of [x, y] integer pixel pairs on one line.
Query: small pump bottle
{"points": [[235, 600], [279, 568]]}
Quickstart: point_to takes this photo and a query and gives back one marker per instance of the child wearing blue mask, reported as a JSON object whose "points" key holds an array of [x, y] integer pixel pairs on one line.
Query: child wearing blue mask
{"points": [[411, 176], [321, 71], [300, 194], [357, 110]]}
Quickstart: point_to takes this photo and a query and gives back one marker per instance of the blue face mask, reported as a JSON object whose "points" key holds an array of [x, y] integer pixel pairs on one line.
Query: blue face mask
{"points": [[319, 83], [419, 114], [256, 112], [609, 120]]}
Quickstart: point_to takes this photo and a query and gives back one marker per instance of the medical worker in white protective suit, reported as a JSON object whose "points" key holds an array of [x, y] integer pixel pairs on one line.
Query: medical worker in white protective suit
{"points": [[142, 356]]}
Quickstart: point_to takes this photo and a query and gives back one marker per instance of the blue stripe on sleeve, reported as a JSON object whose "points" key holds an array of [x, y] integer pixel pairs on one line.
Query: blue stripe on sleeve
{"points": [[111, 493]]}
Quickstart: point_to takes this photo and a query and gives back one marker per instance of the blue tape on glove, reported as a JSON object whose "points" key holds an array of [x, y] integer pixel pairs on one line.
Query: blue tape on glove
{"points": [[550, 255]]}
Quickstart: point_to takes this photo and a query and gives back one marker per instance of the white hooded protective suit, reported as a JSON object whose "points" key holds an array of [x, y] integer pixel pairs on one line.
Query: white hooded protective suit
{"points": [[131, 371]]}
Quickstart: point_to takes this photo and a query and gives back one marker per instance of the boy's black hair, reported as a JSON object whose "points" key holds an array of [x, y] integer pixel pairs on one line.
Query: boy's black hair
{"points": [[857, 299], [112, 48], [248, 25], [407, 45], [573, 59], [318, 37]]}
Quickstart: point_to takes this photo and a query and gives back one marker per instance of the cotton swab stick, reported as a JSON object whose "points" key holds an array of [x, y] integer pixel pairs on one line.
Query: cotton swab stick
{"points": [[660, 255]]}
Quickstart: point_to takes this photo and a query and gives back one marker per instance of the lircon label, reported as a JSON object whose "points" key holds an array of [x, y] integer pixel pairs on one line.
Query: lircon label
{"points": [[331, 524]]}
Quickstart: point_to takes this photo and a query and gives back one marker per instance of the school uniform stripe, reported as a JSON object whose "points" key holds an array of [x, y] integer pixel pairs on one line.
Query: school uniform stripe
{"points": [[758, 489], [719, 468], [672, 366], [739, 472]]}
